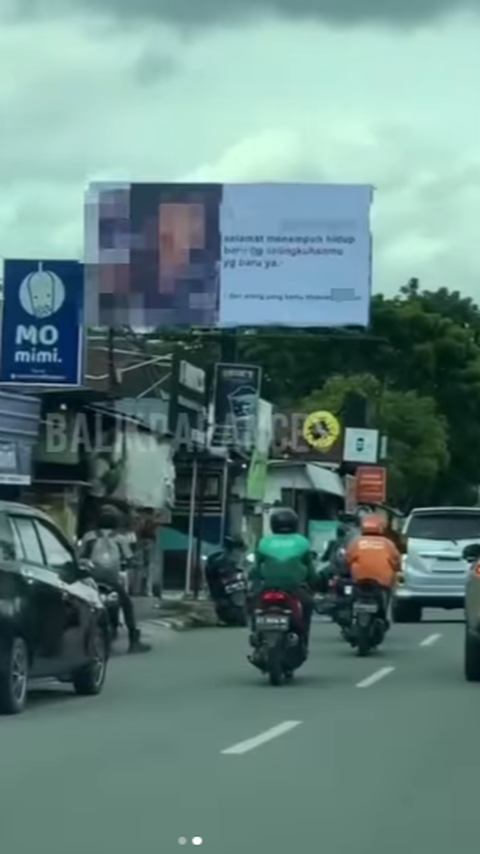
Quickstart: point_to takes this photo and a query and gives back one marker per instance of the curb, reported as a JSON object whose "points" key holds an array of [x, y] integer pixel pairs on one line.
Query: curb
{"points": [[184, 623]]}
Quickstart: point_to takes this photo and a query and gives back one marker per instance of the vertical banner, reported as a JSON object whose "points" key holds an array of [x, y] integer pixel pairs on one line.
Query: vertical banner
{"points": [[258, 469], [235, 405], [350, 493], [42, 323], [371, 485]]}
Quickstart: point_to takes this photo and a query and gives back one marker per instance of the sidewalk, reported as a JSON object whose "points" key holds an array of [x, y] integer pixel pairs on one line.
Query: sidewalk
{"points": [[175, 611]]}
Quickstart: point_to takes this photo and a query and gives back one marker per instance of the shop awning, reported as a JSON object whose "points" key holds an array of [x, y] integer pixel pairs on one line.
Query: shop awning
{"points": [[325, 480], [172, 540]]}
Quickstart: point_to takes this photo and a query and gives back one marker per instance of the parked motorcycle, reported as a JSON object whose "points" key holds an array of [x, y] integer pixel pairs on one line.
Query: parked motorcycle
{"points": [[230, 599], [277, 640], [368, 619]]}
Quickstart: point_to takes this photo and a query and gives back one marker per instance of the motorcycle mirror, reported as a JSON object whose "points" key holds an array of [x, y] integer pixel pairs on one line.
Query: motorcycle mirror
{"points": [[85, 568], [471, 553]]}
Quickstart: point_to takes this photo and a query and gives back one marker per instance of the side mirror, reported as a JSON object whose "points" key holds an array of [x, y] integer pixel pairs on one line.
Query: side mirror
{"points": [[471, 553]]}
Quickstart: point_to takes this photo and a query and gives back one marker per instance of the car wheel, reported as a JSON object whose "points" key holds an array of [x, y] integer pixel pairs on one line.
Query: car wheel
{"points": [[14, 679], [472, 657], [406, 612], [90, 678]]}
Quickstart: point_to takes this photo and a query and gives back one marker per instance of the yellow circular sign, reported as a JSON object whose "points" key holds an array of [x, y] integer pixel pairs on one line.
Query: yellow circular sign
{"points": [[321, 430]]}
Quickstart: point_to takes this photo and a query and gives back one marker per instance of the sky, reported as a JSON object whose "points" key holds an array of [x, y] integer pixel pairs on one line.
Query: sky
{"points": [[370, 91]]}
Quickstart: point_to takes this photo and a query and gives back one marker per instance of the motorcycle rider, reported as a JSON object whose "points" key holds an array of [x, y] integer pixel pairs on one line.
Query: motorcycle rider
{"points": [[284, 562], [373, 557], [109, 532]]}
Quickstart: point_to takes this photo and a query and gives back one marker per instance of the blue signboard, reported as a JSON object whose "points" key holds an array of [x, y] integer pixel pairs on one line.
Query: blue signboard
{"points": [[42, 323]]}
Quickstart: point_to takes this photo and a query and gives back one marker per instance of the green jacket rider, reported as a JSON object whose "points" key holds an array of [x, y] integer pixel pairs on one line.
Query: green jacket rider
{"points": [[284, 562]]}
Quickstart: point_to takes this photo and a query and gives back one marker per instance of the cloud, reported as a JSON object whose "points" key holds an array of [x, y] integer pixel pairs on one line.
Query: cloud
{"points": [[193, 13], [270, 102]]}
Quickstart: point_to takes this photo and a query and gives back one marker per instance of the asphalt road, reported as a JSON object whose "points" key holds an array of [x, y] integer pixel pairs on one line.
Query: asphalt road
{"points": [[391, 766]]}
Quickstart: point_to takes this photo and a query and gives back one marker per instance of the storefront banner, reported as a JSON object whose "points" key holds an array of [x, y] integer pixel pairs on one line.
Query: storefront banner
{"points": [[42, 323]]}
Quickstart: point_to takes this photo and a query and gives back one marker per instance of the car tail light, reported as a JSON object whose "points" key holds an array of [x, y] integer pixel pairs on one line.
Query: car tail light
{"points": [[272, 596]]}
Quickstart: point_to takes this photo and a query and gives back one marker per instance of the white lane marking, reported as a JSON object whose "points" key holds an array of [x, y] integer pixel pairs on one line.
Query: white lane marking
{"points": [[375, 677], [430, 640], [258, 740]]}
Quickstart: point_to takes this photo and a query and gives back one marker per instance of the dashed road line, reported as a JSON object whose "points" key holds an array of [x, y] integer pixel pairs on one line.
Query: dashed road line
{"points": [[262, 738], [375, 677], [431, 639]]}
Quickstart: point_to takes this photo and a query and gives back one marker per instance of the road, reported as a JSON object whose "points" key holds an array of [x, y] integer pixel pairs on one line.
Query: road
{"points": [[364, 758]]}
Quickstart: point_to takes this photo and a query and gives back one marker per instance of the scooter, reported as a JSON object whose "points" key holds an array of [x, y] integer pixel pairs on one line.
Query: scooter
{"points": [[231, 600], [277, 639], [369, 624], [111, 603]]}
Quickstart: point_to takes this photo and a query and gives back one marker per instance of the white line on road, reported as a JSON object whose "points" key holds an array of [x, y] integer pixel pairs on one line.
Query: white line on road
{"points": [[258, 740], [430, 640], [375, 677]]}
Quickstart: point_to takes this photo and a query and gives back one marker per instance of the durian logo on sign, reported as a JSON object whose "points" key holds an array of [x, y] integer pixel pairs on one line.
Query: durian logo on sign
{"points": [[41, 295]]}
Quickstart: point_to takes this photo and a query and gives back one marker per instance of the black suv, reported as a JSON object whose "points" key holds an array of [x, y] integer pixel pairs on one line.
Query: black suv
{"points": [[52, 620]]}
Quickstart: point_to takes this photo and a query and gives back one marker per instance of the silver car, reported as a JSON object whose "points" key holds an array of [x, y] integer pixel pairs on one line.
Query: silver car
{"points": [[434, 571]]}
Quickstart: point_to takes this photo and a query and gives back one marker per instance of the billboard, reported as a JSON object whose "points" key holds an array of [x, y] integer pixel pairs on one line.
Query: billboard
{"points": [[236, 395], [228, 255], [42, 323]]}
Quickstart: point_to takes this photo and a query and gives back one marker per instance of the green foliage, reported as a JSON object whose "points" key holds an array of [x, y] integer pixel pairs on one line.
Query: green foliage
{"points": [[417, 435]]}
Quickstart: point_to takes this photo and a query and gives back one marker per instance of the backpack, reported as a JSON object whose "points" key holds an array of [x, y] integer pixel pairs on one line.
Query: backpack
{"points": [[107, 553]]}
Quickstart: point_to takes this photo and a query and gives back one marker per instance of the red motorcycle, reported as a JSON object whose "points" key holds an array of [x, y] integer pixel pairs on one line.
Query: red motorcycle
{"points": [[278, 638]]}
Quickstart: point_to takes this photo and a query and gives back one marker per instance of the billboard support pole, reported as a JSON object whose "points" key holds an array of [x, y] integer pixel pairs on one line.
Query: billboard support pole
{"points": [[191, 528], [198, 576], [112, 376], [225, 490]]}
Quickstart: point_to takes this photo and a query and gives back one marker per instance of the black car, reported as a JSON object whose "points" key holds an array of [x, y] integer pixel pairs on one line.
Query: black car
{"points": [[52, 620]]}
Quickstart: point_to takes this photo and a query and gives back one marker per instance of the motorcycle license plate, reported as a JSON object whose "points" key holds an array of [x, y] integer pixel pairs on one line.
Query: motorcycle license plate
{"points": [[270, 622], [365, 608], [232, 588]]}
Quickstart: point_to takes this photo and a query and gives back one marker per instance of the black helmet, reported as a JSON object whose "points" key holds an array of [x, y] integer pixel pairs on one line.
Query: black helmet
{"points": [[110, 517], [284, 521]]}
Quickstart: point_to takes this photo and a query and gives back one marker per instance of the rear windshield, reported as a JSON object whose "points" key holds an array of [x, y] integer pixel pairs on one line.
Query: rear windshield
{"points": [[444, 526]]}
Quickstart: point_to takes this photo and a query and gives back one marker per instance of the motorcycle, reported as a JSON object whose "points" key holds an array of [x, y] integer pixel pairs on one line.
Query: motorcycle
{"points": [[342, 589], [368, 619], [278, 640], [230, 601], [111, 603]]}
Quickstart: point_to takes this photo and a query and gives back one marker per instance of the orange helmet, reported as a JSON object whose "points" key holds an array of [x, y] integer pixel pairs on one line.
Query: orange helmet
{"points": [[373, 526]]}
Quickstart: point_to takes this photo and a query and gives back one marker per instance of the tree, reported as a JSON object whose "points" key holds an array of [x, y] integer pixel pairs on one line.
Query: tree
{"points": [[417, 434]]}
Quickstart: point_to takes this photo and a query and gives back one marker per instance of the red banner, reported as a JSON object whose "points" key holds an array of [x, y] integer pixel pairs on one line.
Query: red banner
{"points": [[371, 485], [350, 494]]}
